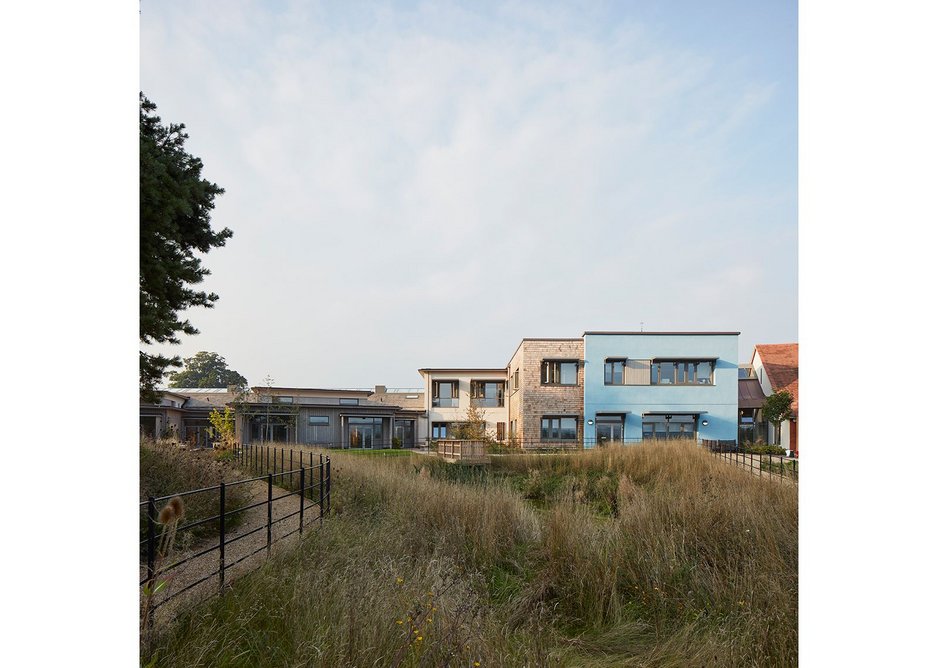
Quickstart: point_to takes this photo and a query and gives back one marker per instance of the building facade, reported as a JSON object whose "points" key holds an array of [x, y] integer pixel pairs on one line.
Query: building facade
{"points": [[775, 365], [325, 418], [545, 393], [452, 395], [660, 385]]}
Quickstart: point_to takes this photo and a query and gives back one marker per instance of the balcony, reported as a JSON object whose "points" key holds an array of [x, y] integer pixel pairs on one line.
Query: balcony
{"points": [[445, 402], [486, 402]]}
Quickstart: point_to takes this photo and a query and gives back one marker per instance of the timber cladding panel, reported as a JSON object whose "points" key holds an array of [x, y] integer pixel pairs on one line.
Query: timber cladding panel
{"points": [[534, 400]]}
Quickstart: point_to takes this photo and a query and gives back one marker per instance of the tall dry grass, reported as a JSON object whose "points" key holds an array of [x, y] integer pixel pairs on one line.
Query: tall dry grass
{"points": [[696, 565]]}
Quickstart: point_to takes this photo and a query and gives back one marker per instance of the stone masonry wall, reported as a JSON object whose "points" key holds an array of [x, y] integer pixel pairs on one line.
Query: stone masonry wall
{"points": [[537, 400]]}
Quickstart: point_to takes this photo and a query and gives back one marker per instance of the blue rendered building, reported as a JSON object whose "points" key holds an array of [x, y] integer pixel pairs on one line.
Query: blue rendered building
{"points": [[644, 385]]}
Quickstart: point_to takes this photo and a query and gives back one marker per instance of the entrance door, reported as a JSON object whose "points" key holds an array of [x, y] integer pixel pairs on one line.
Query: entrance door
{"points": [[404, 430], [608, 429], [365, 432], [361, 436]]}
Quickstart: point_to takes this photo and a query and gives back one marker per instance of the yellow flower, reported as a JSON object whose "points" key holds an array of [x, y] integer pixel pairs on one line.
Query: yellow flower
{"points": [[400, 580], [400, 621], [419, 637], [476, 663]]}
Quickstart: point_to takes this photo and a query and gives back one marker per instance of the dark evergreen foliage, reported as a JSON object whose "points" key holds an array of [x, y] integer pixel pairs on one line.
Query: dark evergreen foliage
{"points": [[175, 208]]}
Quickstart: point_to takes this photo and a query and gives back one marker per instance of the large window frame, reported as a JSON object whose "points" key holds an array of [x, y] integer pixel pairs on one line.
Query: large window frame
{"points": [[682, 372], [557, 428], [614, 366], [553, 372], [480, 395], [451, 401]]}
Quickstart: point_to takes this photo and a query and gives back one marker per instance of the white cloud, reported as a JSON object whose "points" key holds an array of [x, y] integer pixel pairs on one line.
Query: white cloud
{"points": [[391, 171]]}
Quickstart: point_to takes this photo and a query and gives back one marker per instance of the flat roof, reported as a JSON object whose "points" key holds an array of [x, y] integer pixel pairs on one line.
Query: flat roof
{"points": [[661, 333], [541, 338], [498, 369], [330, 390]]}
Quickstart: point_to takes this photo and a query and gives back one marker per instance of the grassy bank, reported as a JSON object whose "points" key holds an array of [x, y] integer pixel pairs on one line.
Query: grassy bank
{"points": [[645, 556]]}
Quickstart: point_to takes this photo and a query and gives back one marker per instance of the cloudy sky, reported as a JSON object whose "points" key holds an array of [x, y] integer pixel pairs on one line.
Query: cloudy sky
{"points": [[425, 183]]}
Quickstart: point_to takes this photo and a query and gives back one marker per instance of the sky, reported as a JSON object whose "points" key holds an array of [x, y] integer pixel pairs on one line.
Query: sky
{"points": [[423, 184]]}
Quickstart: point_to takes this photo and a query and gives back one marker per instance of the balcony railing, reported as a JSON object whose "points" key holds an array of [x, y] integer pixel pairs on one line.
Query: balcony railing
{"points": [[483, 402], [446, 402]]}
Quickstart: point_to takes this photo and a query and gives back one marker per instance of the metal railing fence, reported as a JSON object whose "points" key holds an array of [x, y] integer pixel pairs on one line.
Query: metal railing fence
{"points": [[771, 466], [308, 479]]}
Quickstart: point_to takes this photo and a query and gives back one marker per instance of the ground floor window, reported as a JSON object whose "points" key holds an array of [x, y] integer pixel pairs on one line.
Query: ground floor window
{"points": [[440, 430], [558, 429], [669, 427], [365, 432], [277, 428]]}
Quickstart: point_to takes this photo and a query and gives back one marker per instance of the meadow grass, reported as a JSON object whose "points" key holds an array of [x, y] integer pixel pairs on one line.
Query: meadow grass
{"points": [[652, 555]]}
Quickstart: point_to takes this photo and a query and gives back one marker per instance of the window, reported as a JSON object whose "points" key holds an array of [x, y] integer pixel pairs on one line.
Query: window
{"points": [[558, 429], [608, 428], [318, 420], [284, 400], [513, 428], [348, 402], [558, 372], [515, 379], [615, 372], [446, 393], [669, 426], [499, 431], [487, 394], [682, 372], [439, 429]]}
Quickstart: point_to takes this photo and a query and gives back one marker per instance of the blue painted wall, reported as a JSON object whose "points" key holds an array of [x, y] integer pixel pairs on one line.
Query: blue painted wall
{"points": [[720, 400]]}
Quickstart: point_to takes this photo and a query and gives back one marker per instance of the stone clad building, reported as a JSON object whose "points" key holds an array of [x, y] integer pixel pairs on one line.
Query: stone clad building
{"points": [[545, 393]]}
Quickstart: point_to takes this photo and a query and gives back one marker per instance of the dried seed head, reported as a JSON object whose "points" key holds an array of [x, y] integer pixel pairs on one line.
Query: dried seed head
{"points": [[167, 515], [178, 507]]}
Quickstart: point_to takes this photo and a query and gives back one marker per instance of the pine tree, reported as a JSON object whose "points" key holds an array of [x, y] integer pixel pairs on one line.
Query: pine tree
{"points": [[175, 207]]}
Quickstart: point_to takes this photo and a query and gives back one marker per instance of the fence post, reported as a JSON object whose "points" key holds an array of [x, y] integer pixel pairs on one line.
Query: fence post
{"points": [[328, 484], [302, 496], [281, 463], [320, 489], [151, 541], [291, 468], [267, 458], [221, 537], [270, 507]]}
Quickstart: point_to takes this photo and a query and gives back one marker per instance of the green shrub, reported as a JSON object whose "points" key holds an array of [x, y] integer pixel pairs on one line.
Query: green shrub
{"points": [[764, 450]]}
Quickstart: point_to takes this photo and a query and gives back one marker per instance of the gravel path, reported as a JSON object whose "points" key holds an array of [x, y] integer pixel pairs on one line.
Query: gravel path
{"points": [[253, 528]]}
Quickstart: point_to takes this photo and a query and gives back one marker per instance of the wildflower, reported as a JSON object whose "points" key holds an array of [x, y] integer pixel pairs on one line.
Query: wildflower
{"points": [[400, 621], [400, 580], [476, 663], [419, 637]]}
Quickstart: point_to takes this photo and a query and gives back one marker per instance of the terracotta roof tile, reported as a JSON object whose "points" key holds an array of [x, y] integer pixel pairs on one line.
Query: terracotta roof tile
{"points": [[781, 366]]}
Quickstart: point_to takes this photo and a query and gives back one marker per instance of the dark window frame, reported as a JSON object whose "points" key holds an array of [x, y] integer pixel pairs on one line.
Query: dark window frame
{"points": [[474, 395], [435, 394], [609, 370], [559, 428], [552, 372], [679, 372], [310, 423]]}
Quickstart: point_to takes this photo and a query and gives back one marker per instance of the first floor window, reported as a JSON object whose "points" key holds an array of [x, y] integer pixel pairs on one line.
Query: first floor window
{"points": [[682, 372], [558, 429], [558, 372], [615, 372], [446, 393]]}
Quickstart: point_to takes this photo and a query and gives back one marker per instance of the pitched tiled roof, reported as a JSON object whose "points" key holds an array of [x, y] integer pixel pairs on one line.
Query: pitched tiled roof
{"points": [[781, 366]]}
